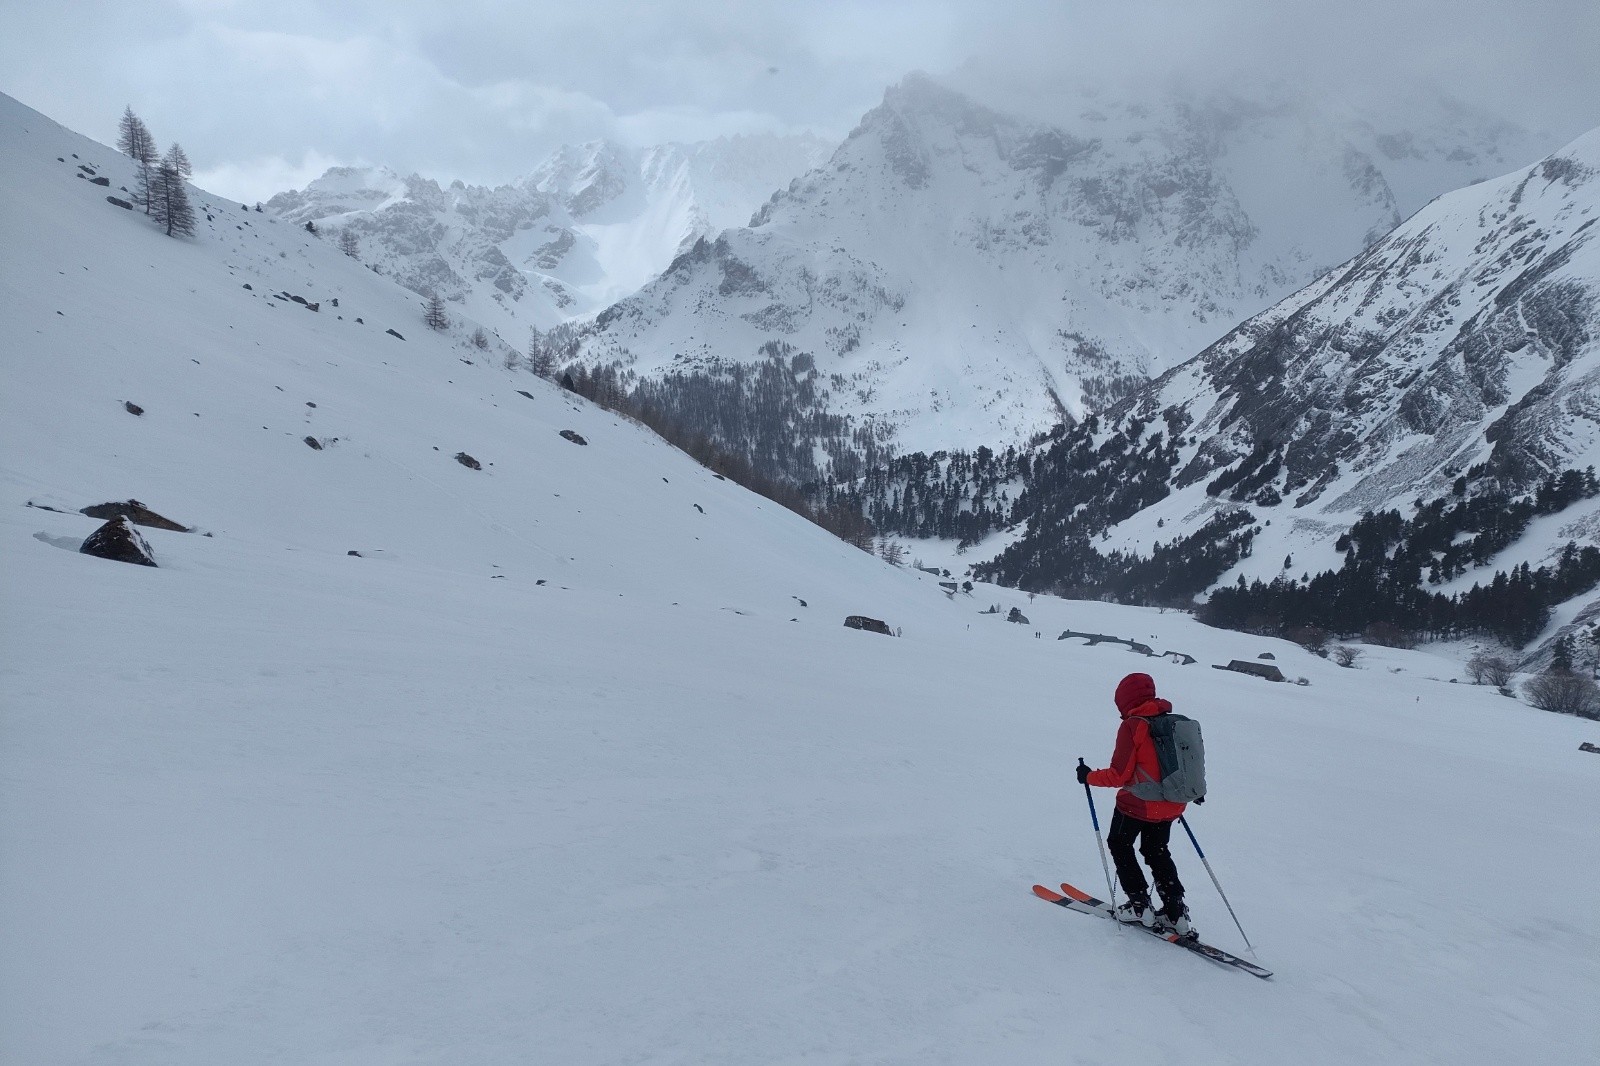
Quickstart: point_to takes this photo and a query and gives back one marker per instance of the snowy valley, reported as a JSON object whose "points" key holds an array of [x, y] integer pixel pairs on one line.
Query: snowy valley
{"points": [[569, 757]]}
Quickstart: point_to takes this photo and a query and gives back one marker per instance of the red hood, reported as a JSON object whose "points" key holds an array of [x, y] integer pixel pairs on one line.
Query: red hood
{"points": [[1148, 709]]}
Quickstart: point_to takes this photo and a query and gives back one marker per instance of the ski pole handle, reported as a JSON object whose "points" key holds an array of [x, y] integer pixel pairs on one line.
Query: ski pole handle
{"points": [[1093, 817]]}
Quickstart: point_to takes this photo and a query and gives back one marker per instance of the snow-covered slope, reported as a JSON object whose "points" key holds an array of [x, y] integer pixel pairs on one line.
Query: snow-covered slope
{"points": [[272, 802], [587, 227], [974, 276]]}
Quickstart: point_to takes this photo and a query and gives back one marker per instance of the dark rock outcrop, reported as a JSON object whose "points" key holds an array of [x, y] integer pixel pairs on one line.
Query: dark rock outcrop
{"points": [[576, 438], [125, 205], [118, 540], [132, 408], [134, 511], [871, 625], [468, 461]]}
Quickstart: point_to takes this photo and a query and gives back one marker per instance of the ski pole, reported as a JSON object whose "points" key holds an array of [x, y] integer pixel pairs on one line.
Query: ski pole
{"points": [[1214, 881], [1095, 818]]}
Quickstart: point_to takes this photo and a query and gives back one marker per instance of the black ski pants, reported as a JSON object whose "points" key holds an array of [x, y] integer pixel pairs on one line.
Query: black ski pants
{"points": [[1153, 838]]}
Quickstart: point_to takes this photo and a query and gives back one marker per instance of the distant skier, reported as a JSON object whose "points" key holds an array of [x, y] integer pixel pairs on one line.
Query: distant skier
{"points": [[1135, 768]]}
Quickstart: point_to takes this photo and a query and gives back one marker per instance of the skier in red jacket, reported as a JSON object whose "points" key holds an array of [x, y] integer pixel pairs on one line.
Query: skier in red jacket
{"points": [[1135, 819]]}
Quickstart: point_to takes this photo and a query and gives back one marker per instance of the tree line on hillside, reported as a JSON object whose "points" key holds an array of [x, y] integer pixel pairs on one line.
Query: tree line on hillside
{"points": [[760, 425], [161, 181], [961, 496], [1380, 584]]}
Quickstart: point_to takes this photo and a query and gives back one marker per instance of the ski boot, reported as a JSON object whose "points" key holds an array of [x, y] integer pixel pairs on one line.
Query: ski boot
{"points": [[1136, 910], [1174, 918]]}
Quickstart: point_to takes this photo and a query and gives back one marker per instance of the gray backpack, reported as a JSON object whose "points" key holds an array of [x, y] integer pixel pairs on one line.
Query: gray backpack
{"points": [[1182, 756]]}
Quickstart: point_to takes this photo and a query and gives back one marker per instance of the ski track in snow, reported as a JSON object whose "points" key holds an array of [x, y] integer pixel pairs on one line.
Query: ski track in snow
{"points": [[272, 803]]}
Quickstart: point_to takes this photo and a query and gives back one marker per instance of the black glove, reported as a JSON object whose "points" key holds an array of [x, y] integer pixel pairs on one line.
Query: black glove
{"points": [[1202, 799], [1083, 772]]}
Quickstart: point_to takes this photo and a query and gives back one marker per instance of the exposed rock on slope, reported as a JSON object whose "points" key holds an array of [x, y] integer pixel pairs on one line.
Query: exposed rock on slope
{"points": [[120, 542]]}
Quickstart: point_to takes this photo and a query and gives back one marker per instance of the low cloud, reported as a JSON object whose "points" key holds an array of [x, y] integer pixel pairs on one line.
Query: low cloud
{"points": [[484, 89], [254, 180]]}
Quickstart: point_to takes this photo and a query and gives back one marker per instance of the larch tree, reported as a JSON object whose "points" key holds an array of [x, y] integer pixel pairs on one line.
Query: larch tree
{"points": [[170, 196], [134, 141], [133, 138], [349, 243], [179, 161], [435, 315], [540, 359]]}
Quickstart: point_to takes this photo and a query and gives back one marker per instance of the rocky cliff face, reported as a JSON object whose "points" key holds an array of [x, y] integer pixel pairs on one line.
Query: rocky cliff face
{"points": [[1469, 336], [967, 276]]}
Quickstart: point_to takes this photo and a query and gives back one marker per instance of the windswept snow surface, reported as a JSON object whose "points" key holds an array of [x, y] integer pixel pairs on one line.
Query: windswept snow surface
{"points": [[275, 803]]}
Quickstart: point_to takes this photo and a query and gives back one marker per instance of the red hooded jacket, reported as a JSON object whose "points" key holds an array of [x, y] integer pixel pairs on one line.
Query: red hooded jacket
{"points": [[1135, 757]]}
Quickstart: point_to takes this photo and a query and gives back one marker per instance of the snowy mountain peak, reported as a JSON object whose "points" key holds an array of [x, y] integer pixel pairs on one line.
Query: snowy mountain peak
{"points": [[584, 177], [343, 190], [972, 276]]}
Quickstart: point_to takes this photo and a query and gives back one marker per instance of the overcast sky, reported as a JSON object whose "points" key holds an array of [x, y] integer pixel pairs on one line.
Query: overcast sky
{"points": [[265, 94]]}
